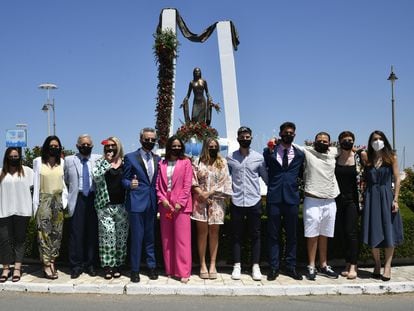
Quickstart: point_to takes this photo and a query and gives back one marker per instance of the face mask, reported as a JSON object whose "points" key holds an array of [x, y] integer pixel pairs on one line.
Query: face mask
{"points": [[244, 143], [85, 150], [54, 152], [377, 145], [213, 153], [148, 145], [321, 147], [287, 139], [113, 151], [13, 162], [175, 152], [347, 145]]}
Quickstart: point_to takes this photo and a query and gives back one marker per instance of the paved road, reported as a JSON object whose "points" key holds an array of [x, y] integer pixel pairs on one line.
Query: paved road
{"points": [[51, 302]]}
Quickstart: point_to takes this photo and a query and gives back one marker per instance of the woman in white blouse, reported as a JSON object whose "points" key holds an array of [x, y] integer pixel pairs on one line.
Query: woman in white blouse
{"points": [[49, 200], [15, 212]]}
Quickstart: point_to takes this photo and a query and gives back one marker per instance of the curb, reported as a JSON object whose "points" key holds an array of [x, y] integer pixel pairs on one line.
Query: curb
{"points": [[212, 290]]}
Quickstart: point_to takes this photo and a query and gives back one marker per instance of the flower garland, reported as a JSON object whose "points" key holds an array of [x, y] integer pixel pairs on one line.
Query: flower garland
{"points": [[199, 130], [165, 51]]}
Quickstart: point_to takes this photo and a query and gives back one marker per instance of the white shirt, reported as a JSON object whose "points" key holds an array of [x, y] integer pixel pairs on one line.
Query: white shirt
{"points": [[15, 196], [319, 173]]}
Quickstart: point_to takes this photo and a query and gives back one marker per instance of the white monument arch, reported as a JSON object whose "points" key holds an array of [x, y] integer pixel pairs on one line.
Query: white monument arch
{"points": [[228, 77]]}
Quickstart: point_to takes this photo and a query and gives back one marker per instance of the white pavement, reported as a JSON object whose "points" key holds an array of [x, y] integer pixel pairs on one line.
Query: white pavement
{"points": [[402, 281]]}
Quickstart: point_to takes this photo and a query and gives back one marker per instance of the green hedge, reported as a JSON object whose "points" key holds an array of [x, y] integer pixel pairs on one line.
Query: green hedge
{"points": [[404, 251]]}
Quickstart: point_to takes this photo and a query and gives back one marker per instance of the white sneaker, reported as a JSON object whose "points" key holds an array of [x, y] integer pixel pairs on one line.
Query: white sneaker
{"points": [[256, 274], [236, 274]]}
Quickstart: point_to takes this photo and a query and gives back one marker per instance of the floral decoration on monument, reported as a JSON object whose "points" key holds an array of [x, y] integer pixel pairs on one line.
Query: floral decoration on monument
{"points": [[198, 130]]}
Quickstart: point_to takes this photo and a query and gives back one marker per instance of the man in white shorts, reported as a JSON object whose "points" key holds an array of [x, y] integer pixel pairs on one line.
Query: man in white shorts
{"points": [[319, 208]]}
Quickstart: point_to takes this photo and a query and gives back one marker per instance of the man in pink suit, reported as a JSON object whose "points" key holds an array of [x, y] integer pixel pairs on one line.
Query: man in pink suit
{"points": [[175, 205]]}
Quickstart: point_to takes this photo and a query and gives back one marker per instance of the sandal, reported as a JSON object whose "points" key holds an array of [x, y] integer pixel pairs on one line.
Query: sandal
{"points": [[116, 273], [16, 277], [108, 273], [48, 276], [53, 268], [4, 277], [204, 275]]}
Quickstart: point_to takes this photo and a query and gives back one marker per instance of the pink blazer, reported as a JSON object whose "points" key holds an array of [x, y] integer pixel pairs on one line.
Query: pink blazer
{"points": [[181, 184]]}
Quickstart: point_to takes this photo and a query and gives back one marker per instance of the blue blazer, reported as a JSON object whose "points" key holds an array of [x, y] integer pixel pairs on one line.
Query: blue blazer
{"points": [[283, 183], [144, 196]]}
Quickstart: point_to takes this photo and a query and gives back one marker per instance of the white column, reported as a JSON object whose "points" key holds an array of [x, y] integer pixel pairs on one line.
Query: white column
{"points": [[229, 84], [168, 21]]}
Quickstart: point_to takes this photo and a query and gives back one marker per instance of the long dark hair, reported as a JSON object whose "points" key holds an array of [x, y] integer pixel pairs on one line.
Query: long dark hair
{"points": [[387, 154], [169, 145], [45, 149], [6, 166]]}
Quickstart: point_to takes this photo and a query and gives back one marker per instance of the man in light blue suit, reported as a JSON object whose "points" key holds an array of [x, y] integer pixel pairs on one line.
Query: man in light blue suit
{"points": [[83, 239], [140, 174]]}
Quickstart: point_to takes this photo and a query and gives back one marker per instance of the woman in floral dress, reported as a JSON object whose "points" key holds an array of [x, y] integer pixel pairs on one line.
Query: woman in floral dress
{"points": [[211, 186]]}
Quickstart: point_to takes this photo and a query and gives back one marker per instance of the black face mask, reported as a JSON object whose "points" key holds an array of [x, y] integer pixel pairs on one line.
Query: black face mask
{"points": [[148, 145], [213, 153], [321, 147], [13, 162], [54, 152], [175, 152], [244, 143], [107, 150], [85, 150], [347, 145], [287, 139]]}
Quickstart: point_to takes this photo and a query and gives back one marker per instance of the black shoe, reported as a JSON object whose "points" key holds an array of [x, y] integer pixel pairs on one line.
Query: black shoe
{"points": [[152, 274], [328, 272], [135, 277], [293, 274], [385, 279], [273, 274], [116, 272], [75, 274], [107, 273], [376, 276], [91, 271], [311, 273]]}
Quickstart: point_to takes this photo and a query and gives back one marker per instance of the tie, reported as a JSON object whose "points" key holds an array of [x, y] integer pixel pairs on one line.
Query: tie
{"points": [[150, 169], [285, 161], [85, 177]]}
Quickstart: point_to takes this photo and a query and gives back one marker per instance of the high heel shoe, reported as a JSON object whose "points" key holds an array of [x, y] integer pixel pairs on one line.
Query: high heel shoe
{"points": [[184, 280], [108, 273], [48, 276], [16, 277], [53, 268], [5, 277]]}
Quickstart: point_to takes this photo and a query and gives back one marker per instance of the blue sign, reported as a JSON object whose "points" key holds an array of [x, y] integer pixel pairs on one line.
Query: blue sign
{"points": [[16, 138]]}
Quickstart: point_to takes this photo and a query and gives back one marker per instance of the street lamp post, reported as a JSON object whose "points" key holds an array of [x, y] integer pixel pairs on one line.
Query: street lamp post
{"points": [[46, 107], [393, 78]]}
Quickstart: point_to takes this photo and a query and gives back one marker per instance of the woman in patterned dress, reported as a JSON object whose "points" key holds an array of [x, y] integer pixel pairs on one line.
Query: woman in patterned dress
{"points": [[211, 186], [50, 197], [109, 203]]}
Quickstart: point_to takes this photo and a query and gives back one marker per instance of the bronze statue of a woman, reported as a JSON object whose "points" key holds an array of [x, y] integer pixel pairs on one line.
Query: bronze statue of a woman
{"points": [[202, 107]]}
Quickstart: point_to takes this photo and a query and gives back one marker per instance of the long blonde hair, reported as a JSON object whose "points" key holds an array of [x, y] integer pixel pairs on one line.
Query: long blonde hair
{"points": [[205, 155]]}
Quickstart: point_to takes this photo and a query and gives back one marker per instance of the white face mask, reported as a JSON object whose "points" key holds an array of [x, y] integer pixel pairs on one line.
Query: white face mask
{"points": [[377, 145]]}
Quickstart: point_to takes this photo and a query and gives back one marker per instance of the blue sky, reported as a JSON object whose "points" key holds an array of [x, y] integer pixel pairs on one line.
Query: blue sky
{"points": [[322, 64]]}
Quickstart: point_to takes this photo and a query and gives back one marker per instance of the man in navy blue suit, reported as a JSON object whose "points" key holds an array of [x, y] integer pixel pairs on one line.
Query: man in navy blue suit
{"points": [[284, 163], [140, 174]]}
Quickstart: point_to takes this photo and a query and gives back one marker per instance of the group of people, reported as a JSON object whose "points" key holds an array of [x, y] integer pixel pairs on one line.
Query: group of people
{"points": [[113, 196]]}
